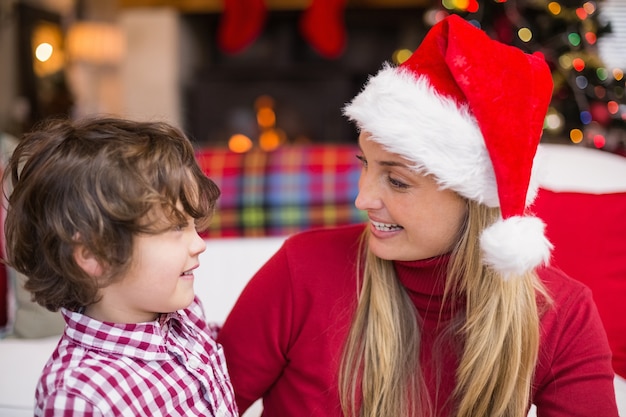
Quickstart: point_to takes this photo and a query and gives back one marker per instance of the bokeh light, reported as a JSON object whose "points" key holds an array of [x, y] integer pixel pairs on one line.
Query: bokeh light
{"points": [[401, 55], [585, 117], [578, 64], [576, 135], [591, 38], [574, 38], [44, 51], [554, 8], [239, 143], [266, 117], [525, 34], [599, 141], [271, 139], [590, 7], [582, 82]]}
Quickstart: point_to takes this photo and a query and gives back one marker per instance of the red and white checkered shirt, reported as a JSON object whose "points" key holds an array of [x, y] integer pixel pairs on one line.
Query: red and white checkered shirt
{"points": [[169, 367]]}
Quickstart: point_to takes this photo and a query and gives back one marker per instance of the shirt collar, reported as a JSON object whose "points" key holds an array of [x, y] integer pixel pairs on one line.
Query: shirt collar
{"points": [[145, 341]]}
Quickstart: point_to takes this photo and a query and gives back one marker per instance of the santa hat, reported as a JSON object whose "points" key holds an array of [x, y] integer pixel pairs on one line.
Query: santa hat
{"points": [[470, 111]]}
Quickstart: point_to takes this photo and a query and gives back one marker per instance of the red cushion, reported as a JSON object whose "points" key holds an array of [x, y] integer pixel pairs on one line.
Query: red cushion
{"points": [[589, 236]]}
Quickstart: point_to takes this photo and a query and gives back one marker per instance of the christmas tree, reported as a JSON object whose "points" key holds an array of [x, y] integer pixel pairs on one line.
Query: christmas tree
{"points": [[588, 105]]}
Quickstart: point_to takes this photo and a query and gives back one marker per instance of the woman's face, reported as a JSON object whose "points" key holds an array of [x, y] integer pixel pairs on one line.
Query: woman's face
{"points": [[411, 218]]}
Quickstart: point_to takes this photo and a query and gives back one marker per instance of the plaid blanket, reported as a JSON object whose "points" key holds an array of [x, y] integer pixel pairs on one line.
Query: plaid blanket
{"points": [[285, 191]]}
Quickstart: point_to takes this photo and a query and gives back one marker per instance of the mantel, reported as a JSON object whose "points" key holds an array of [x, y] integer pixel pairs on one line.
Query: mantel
{"points": [[213, 6]]}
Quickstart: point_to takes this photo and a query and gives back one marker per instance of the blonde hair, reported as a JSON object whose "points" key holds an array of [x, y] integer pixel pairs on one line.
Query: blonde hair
{"points": [[380, 373]]}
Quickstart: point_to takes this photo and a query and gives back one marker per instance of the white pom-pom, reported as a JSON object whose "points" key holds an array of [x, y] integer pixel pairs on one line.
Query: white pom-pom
{"points": [[515, 245]]}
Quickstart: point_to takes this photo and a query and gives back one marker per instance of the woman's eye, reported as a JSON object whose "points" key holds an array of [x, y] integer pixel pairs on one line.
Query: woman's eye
{"points": [[396, 183], [362, 159]]}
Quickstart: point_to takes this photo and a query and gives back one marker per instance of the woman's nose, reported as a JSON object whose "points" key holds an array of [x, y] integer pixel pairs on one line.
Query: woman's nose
{"points": [[367, 198]]}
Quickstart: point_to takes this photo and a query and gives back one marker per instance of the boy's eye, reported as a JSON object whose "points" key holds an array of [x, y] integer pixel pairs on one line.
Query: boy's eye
{"points": [[362, 159], [182, 226]]}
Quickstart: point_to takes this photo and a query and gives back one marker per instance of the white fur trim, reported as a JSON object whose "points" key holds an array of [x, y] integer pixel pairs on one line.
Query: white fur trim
{"points": [[409, 118], [515, 245]]}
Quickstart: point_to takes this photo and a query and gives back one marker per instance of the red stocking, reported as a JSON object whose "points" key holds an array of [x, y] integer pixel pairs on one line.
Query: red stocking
{"points": [[323, 27], [240, 24]]}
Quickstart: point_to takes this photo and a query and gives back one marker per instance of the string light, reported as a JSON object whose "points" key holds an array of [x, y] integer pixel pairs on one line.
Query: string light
{"points": [[576, 135], [525, 34], [585, 117], [574, 39], [602, 74], [578, 64], [401, 55], [589, 7], [565, 61], [473, 6], [599, 141], [554, 120], [599, 91], [591, 38], [470, 6], [554, 8]]}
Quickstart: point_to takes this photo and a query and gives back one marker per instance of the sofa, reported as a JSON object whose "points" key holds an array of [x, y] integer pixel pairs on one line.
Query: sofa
{"points": [[267, 197]]}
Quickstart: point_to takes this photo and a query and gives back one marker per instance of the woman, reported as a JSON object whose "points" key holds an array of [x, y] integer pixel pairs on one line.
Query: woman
{"points": [[443, 305]]}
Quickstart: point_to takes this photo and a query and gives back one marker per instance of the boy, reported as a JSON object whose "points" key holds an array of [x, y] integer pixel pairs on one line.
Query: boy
{"points": [[103, 218]]}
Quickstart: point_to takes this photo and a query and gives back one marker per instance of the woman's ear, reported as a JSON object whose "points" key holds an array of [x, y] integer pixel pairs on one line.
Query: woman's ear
{"points": [[87, 261]]}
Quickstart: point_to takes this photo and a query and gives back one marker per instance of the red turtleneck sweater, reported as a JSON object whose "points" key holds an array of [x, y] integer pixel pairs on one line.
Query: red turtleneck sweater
{"points": [[284, 337]]}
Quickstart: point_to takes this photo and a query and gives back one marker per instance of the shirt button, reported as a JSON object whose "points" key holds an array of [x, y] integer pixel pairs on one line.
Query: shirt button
{"points": [[194, 363]]}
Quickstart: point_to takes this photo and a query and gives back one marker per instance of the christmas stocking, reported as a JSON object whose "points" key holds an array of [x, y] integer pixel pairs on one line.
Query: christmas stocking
{"points": [[240, 24], [323, 27]]}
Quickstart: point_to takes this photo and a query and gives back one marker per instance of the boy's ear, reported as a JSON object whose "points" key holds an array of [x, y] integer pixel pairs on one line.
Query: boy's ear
{"points": [[87, 261]]}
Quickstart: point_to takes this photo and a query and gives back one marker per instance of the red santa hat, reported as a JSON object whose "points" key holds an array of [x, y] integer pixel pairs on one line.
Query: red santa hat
{"points": [[470, 111]]}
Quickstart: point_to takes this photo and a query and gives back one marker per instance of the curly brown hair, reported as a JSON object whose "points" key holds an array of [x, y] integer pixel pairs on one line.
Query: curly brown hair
{"points": [[94, 182]]}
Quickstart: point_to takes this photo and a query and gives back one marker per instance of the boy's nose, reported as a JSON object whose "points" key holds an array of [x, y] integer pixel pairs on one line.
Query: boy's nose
{"points": [[198, 245]]}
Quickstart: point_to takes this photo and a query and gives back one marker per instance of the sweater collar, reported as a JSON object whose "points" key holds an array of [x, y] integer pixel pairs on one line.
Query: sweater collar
{"points": [[425, 282], [426, 276]]}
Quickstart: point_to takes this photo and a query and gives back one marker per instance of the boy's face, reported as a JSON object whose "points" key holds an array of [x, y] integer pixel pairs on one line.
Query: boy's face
{"points": [[158, 280]]}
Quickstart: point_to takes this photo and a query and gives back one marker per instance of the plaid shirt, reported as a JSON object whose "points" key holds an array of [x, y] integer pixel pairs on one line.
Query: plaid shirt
{"points": [[169, 367]]}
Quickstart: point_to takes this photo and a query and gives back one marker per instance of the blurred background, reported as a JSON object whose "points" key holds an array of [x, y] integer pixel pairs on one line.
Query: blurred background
{"points": [[261, 74]]}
